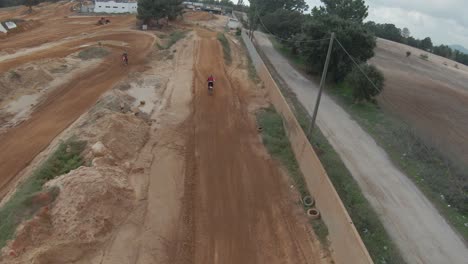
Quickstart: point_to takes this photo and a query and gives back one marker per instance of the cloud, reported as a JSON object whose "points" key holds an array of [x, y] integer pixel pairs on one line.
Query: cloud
{"points": [[441, 30], [439, 9], [445, 21]]}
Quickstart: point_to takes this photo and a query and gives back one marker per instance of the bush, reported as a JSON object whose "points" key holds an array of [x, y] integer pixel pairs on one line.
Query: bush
{"points": [[424, 57], [15, 75], [408, 53], [93, 53], [363, 89]]}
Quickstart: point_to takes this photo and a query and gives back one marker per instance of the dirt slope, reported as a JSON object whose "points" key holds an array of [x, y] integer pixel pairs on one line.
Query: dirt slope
{"points": [[425, 93], [239, 206], [22, 143], [420, 232]]}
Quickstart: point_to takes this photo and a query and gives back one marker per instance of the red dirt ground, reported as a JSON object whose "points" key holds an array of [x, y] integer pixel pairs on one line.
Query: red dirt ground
{"points": [[22, 143], [239, 206]]}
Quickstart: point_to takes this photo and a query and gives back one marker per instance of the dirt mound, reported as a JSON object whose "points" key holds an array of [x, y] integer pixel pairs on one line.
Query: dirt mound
{"points": [[90, 203], [15, 81], [123, 134], [21, 26], [199, 16]]}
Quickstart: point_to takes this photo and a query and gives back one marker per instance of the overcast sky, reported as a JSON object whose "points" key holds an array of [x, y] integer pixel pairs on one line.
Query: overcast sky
{"points": [[445, 21]]}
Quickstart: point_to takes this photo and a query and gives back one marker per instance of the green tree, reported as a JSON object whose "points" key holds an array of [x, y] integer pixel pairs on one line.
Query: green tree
{"points": [[385, 31], [443, 50], [426, 44], [354, 10], [174, 8], [413, 42], [260, 8], [31, 3], [226, 3], [283, 23], [357, 41], [363, 89], [405, 33], [149, 10]]}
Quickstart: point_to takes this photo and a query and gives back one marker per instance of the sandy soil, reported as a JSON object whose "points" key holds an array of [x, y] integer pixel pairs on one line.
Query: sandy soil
{"points": [[21, 93], [239, 206], [420, 232], [70, 99], [425, 93], [189, 206]]}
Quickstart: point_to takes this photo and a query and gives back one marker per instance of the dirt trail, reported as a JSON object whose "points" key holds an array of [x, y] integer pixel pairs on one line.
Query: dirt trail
{"points": [[420, 232], [240, 208], [22, 143]]}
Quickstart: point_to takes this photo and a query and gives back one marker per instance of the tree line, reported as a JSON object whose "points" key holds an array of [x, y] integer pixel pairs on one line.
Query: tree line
{"points": [[393, 33], [154, 10], [302, 34]]}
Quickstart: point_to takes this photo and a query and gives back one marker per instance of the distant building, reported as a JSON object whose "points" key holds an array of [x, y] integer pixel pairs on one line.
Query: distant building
{"points": [[115, 6], [205, 7]]}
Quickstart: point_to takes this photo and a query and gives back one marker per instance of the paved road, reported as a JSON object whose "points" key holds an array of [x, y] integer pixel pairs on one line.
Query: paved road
{"points": [[420, 232]]}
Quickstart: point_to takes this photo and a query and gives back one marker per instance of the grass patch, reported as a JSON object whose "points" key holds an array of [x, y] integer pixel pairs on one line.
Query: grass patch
{"points": [[226, 48], [375, 237], [276, 141], [20, 206], [14, 75], [445, 184], [171, 39], [250, 66], [93, 53]]}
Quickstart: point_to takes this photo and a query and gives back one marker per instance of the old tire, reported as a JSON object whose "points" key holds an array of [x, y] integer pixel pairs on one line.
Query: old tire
{"points": [[313, 213], [308, 201]]}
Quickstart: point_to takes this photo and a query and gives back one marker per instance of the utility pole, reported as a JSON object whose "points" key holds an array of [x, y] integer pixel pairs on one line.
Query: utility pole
{"points": [[322, 85]]}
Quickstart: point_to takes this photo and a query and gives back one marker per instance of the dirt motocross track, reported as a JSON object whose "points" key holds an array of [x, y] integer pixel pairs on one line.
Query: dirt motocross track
{"points": [[238, 204], [240, 207], [22, 143]]}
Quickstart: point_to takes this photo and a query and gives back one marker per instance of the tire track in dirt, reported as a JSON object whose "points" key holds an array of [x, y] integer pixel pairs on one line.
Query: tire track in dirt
{"points": [[22, 143], [241, 209]]}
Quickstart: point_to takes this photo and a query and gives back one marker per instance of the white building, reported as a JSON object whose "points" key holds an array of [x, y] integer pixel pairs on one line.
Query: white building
{"points": [[115, 6]]}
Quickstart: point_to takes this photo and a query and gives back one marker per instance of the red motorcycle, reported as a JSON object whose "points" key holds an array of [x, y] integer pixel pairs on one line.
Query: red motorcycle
{"points": [[210, 88]]}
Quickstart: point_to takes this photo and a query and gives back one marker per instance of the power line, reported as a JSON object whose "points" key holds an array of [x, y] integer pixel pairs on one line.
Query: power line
{"points": [[357, 65]]}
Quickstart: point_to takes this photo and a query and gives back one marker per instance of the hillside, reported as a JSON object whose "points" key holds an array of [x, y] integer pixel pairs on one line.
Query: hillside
{"points": [[425, 93]]}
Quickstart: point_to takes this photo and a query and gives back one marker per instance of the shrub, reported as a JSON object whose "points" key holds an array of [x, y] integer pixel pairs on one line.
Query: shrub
{"points": [[424, 57], [15, 75], [363, 89]]}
